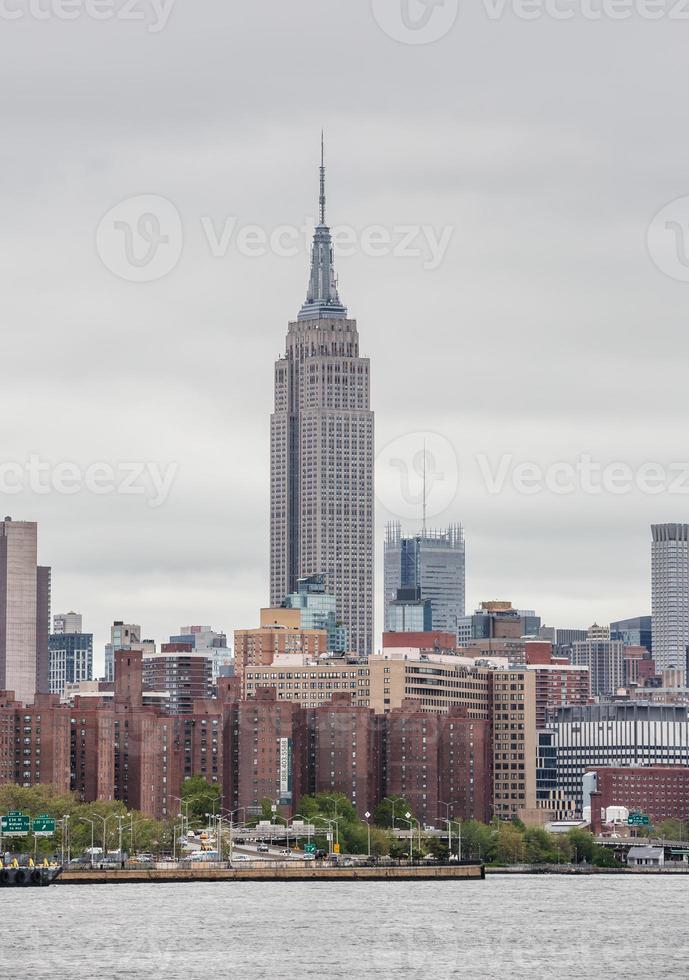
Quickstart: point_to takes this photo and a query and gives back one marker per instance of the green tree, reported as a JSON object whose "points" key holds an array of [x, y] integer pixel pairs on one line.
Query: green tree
{"points": [[539, 846], [380, 842], [201, 796], [583, 844], [562, 848], [398, 848], [509, 845], [478, 841], [438, 848], [384, 811], [604, 857], [673, 830]]}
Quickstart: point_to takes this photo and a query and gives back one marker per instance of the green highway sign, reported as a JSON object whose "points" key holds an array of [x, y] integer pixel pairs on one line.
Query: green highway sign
{"points": [[309, 848], [15, 824], [638, 820], [44, 825]]}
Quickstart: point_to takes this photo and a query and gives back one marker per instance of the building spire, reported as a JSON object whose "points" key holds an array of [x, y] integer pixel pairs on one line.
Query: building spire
{"points": [[322, 197], [322, 298]]}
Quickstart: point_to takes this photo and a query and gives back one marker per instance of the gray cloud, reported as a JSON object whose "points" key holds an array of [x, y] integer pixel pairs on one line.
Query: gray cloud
{"points": [[546, 332]]}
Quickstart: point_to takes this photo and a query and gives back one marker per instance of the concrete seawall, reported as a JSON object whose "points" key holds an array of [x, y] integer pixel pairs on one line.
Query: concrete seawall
{"points": [[132, 876]]}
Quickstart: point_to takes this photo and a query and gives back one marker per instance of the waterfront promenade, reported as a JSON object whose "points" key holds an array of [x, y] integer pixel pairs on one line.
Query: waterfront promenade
{"points": [[284, 873]]}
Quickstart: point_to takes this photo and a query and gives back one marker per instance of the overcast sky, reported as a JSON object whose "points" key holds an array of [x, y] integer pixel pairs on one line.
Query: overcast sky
{"points": [[541, 330]]}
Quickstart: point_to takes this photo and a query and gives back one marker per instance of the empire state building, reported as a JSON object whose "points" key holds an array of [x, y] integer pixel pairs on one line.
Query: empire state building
{"points": [[321, 452]]}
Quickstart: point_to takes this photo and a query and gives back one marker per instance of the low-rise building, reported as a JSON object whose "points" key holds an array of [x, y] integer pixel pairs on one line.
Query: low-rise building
{"points": [[659, 792]]}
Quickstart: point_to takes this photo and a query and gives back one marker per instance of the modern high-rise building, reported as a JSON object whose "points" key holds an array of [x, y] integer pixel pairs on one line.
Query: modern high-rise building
{"points": [[409, 613], [670, 595], [24, 611], [432, 562], [71, 653], [636, 632], [604, 658], [318, 611], [322, 439]]}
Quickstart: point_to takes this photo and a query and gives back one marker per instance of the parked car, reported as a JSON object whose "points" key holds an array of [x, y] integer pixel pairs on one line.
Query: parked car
{"points": [[240, 857], [262, 848]]}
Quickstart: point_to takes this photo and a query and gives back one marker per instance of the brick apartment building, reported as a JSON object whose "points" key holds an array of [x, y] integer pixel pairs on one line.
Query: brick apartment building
{"points": [[661, 792], [426, 726], [267, 744], [344, 752], [433, 760], [34, 741], [490, 691], [557, 681]]}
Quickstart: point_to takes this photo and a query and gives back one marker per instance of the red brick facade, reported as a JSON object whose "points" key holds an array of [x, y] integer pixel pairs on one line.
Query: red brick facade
{"points": [[257, 750], [661, 792]]}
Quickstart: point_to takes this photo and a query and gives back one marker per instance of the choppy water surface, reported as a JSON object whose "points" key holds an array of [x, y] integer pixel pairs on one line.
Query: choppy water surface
{"points": [[514, 927]]}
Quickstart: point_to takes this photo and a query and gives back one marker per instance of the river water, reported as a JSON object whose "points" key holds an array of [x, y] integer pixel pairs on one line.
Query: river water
{"points": [[507, 927]]}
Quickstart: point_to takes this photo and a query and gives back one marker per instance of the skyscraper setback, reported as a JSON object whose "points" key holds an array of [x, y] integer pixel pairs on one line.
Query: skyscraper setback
{"points": [[322, 438]]}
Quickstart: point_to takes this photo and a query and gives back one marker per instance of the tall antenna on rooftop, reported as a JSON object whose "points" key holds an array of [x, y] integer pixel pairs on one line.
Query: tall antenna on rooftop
{"points": [[424, 489]]}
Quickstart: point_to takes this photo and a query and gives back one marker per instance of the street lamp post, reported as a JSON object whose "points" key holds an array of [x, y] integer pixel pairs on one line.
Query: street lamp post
{"points": [[308, 824], [176, 838], [447, 821], [65, 837], [93, 827], [278, 816], [120, 818], [411, 836], [330, 823], [104, 820], [185, 804], [449, 836], [389, 799], [336, 802], [367, 817]]}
